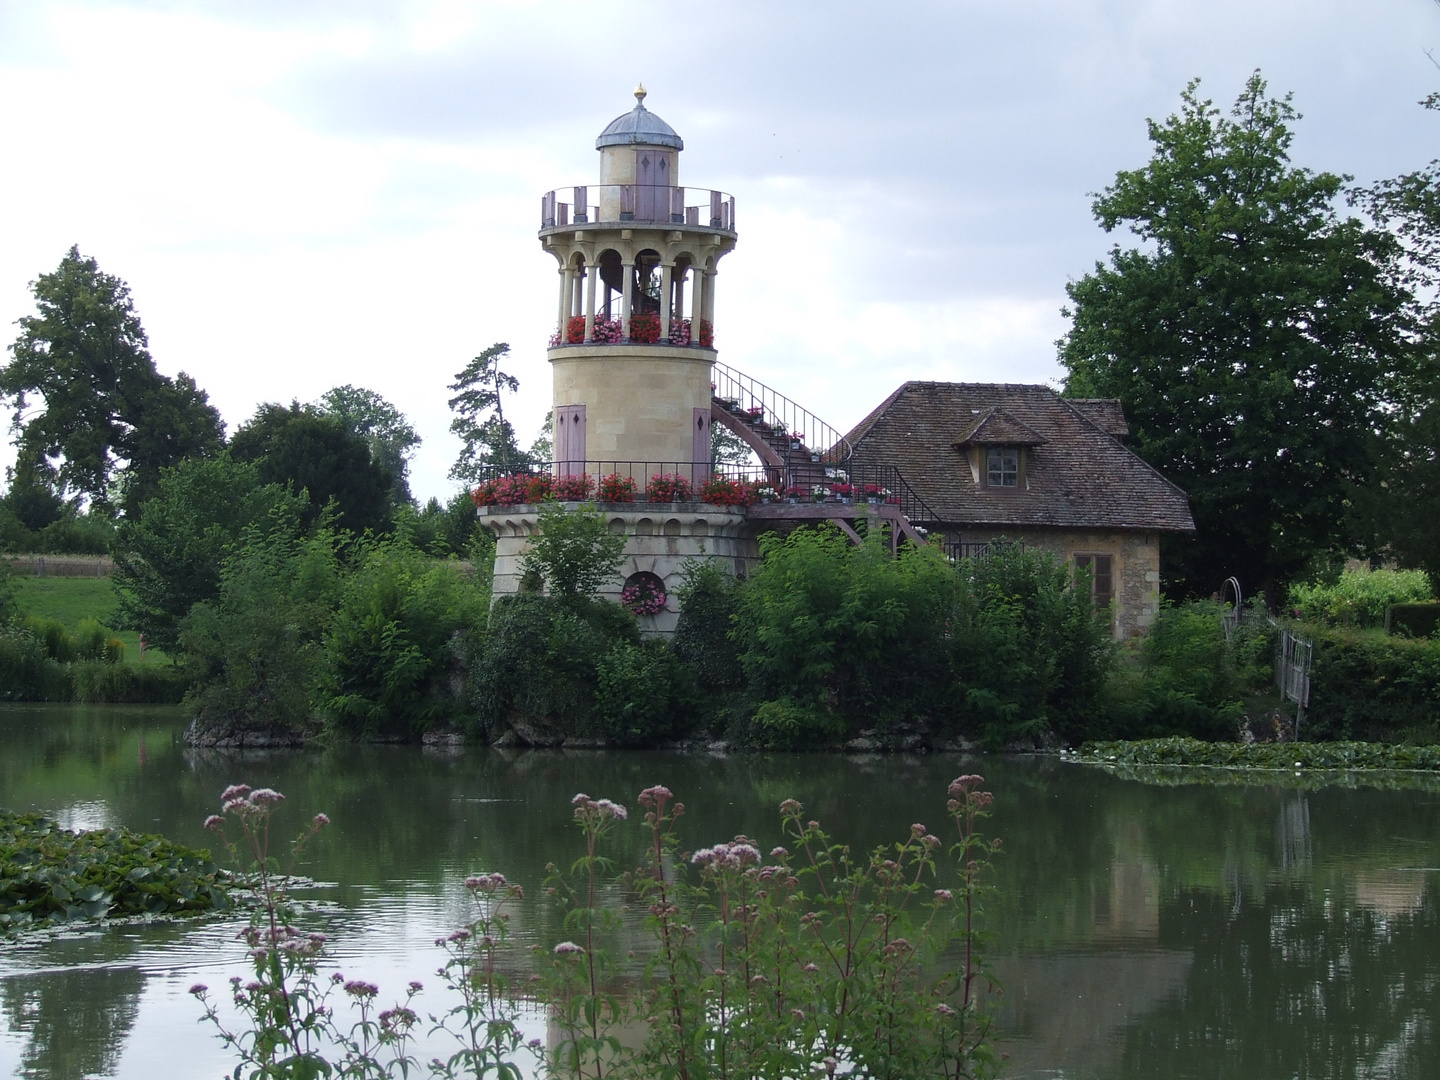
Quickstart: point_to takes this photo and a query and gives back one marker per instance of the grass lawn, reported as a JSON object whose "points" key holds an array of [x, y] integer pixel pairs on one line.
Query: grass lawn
{"points": [[70, 599]]}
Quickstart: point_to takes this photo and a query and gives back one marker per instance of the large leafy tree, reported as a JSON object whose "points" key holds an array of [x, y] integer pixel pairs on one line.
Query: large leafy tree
{"points": [[1401, 513], [86, 397], [479, 418], [1257, 338], [318, 455], [168, 555], [390, 436]]}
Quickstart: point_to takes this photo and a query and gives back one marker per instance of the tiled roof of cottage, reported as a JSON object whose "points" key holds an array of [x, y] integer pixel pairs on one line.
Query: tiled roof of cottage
{"points": [[1106, 413], [1080, 477]]}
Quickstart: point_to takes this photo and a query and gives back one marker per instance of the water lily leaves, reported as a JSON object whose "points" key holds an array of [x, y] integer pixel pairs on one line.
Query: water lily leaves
{"points": [[50, 875]]}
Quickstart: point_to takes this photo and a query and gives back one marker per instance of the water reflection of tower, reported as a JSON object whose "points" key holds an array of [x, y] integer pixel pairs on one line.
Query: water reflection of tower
{"points": [[1292, 833]]}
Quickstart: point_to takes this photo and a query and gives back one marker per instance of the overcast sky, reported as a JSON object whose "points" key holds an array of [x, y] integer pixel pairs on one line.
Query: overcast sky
{"points": [[306, 193]]}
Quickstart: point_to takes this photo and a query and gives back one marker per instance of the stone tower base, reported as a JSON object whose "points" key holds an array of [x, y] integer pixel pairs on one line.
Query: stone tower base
{"points": [[659, 539]]}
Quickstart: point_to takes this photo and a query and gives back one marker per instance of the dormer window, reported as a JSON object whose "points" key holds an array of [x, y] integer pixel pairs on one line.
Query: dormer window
{"points": [[1002, 466], [998, 445]]}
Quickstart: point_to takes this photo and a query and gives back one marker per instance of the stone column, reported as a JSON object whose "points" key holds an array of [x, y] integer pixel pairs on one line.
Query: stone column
{"points": [[591, 273], [667, 295], [697, 287], [564, 300], [627, 272]]}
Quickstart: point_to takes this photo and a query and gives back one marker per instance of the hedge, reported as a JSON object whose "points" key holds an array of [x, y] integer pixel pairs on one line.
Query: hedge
{"points": [[1413, 620], [1368, 685]]}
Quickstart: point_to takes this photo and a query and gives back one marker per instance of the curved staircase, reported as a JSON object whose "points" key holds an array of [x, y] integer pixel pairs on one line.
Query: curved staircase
{"points": [[801, 454], [796, 447]]}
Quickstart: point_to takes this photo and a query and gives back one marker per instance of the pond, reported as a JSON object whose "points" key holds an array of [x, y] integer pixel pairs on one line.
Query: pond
{"points": [[1145, 926]]}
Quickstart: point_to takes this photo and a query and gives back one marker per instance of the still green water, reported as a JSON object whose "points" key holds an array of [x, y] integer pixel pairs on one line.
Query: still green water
{"points": [[1145, 927]]}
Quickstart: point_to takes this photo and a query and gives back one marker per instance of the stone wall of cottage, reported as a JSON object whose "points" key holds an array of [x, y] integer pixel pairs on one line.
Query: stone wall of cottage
{"points": [[1136, 565]]}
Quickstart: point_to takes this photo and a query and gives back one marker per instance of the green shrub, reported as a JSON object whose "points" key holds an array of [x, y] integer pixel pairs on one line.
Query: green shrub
{"points": [[169, 555], [255, 652], [1368, 685], [89, 639], [94, 681], [1189, 681], [1420, 620], [395, 641], [645, 694], [788, 724], [851, 635], [573, 551], [53, 635], [709, 598], [448, 529], [541, 661], [1028, 651], [27, 670], [9, 610], [1360, 597]]}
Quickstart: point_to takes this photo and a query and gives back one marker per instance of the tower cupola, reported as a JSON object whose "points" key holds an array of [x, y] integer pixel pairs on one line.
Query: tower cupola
{"points": [[639, 127]]}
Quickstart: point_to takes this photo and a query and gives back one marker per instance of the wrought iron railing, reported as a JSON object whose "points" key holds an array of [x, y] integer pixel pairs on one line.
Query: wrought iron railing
{"points": [[773, 414], [614, 204], [974, 550], [606, 480]]}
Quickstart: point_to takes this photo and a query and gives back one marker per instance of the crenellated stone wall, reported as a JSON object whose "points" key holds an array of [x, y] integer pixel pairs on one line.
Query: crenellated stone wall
{"points": [[659, 539]]}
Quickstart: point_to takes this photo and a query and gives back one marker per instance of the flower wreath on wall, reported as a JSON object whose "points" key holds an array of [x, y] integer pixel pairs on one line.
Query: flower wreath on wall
{"points": [[644, 594]]}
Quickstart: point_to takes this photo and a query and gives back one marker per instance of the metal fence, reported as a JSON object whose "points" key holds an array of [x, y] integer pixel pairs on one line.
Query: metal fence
{"points": [[97, 566], [1293, 659], [977, 550]]}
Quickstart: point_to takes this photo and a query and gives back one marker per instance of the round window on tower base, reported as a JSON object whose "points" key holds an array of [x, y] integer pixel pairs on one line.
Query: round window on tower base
{"points": [[644, 594]]}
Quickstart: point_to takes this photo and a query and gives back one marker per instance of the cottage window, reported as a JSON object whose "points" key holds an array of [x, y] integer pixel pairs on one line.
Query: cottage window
{"points": [[1101, 569], [1002, 467]]}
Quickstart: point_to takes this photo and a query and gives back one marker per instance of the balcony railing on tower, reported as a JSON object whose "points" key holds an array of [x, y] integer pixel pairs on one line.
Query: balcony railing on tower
{"points": [[614, 204]]}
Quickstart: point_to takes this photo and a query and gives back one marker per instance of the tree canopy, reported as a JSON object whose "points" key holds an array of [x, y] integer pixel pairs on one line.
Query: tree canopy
{"points": [[102, 404], [480, 417], [1402, 512], [391, 438], [319, 455], [168, 555], [1257, 338]]}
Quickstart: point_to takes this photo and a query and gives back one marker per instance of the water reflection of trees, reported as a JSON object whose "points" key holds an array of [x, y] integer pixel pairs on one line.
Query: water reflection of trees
{"points": [[74, 1022], [1294, 983]]}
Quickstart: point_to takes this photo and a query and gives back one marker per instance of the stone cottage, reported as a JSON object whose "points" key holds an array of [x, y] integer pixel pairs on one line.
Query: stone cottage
{"points": [[993, 460]]}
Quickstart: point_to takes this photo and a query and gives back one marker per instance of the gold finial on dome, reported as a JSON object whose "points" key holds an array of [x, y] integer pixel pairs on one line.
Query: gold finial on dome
{"points": [[640, 93]]}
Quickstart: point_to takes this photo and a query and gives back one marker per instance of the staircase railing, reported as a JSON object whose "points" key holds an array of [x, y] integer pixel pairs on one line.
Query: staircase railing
{"points": [[781, 414]]}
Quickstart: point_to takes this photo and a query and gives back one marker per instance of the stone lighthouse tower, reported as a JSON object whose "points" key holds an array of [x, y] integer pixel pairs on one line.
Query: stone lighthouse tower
{"points": [[634, 343], [633, 365]]}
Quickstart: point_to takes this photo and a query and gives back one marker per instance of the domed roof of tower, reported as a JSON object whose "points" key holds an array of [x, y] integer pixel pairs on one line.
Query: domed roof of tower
{"points": [[639, 126]]}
